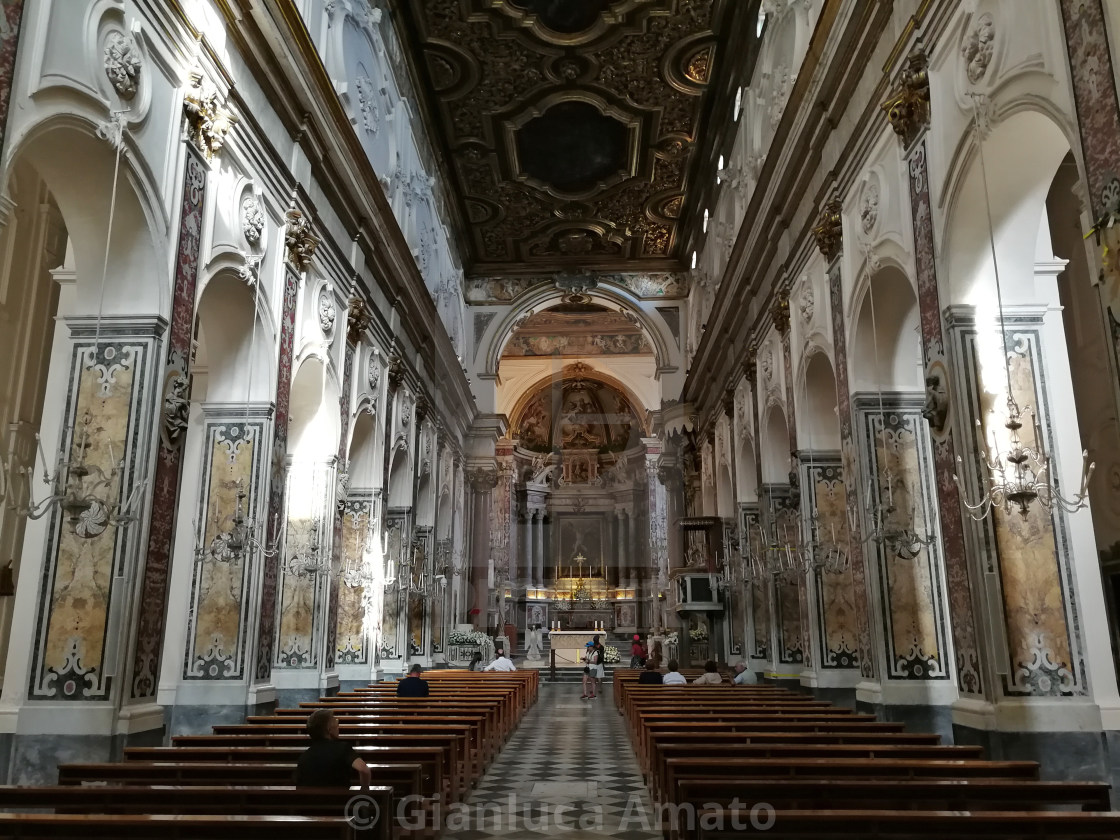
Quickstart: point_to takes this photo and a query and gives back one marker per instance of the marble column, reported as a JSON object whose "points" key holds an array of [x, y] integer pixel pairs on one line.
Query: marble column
{"points": [[482, 480], [829, 235], [176, 401], [538, 549], [266, 629], [620, 534]]}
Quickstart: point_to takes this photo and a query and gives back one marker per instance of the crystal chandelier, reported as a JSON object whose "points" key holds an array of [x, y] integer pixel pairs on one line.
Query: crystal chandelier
{"points": [[88, 493], [1024, 474]]}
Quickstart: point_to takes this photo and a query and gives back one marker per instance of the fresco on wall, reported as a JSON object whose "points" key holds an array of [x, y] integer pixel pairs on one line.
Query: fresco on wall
{"points": [[504, 289], [88, 556], [578, 414], [215, 638]]}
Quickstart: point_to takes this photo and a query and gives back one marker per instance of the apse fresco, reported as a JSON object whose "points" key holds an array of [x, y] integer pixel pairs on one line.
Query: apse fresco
{"points": [[578, 415], [594, 332]]}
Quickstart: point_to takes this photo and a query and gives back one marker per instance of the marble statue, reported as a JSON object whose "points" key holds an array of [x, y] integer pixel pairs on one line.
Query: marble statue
{"points": [[533, 642]]}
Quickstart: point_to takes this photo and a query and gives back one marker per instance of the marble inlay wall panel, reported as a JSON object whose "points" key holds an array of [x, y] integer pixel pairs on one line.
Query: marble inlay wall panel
{"points": [[335, 584], [1026, 557], [90, 564], [392, 628], [912, 613], [219, 618], [827, 505], [351, 639], [303, 596], [758, 590]]}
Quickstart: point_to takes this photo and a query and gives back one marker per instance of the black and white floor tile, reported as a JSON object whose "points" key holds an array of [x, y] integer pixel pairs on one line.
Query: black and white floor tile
{"points": [[568, 771]]}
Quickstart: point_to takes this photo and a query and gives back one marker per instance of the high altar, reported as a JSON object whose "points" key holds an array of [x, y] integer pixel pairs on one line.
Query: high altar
{"points": [[584, 601]]}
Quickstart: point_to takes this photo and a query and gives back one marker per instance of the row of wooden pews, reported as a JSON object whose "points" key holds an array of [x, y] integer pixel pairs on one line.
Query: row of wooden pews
{"points": [[237, 782], [724, 761]]}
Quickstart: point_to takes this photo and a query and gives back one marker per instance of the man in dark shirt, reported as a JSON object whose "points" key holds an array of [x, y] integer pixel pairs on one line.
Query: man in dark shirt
{"points": [[650, 676], [412, 685], [328, 761]]}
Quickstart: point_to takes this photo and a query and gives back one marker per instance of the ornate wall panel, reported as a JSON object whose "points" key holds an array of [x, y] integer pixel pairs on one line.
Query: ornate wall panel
{"points": [[217, 644], [572, 128], [912, 611], [397, 527], [334, 598], [90, 564], [825, 500], [1025, 557], [303, 604], [351, 637]]}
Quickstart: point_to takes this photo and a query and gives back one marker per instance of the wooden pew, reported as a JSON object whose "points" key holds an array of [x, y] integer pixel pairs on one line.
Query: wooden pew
{"points": [[211, 800], [174, 827], [907, 825]]}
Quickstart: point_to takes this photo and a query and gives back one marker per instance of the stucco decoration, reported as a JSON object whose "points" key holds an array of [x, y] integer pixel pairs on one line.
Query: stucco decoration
{"points": [[327, 312], [806, 303], [252, 219], [123, 64], [869, 206], [978, 47]]}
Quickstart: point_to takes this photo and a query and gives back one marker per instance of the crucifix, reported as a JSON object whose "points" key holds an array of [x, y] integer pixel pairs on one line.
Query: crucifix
{"points": [[580, 559]]}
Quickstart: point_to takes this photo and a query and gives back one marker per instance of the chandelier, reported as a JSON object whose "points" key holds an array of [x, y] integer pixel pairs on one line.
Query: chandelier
{"points": [[889, 528], [88, 493], [1022, 475], [237, 543], [309, 563]]}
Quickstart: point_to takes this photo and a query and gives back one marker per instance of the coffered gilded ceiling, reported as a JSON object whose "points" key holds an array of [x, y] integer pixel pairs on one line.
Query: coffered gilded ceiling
{"points": [[572, 127]]}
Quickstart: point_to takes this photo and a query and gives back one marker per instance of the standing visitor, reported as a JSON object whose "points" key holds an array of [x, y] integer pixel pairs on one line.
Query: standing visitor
{"points": [[637, 653]]}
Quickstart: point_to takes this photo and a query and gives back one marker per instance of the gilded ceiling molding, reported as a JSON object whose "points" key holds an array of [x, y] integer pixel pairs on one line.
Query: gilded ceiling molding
{"points": [[829, 230], [571, 128], [908, 107], [208, 120]]}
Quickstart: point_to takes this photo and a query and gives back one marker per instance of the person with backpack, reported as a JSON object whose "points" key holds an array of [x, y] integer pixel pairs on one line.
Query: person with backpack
{"points": [[593, 673]]}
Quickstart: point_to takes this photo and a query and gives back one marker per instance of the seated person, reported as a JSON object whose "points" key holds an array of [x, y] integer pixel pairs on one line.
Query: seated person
{"points": [[476, 662], [501, 663], [743, 675], [412, 685], [328, 761], [711, 675], [673, 677], [650, 676]]}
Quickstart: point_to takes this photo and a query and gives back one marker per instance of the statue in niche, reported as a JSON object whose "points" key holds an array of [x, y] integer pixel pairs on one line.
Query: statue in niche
{"points": [[534, 426]]}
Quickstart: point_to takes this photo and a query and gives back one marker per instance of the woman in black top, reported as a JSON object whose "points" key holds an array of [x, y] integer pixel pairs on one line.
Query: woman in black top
{"points": [[650, 676], [328, 761]]}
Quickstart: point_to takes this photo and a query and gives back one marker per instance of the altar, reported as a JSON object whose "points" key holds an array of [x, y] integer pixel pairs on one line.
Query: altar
{"points": [[570, 644]]}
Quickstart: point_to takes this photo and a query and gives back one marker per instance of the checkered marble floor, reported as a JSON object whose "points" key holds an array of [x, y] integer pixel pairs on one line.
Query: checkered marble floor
{"points": [[568, 770]]}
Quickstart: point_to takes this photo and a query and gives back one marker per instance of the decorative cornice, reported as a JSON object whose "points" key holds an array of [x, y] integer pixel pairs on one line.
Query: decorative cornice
{"points": [[908, 106], [358, 318], [208, 119], [299, 240], [829, 230]]}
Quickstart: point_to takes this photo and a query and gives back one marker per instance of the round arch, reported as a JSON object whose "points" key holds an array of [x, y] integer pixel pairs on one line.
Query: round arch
{"points": [[77, 168], [234, 345], [607, 295], [588, 374], [818, 423], [886, 346], [775, 446]]}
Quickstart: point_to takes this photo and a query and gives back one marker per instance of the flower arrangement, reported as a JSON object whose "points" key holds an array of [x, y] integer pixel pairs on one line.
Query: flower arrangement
{"points": [[611, 655], [700, 634], [474, 637], [671, 638]]}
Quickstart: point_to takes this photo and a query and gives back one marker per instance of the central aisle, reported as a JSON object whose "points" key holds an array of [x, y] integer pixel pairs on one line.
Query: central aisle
{"points": [[568, 770]]}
